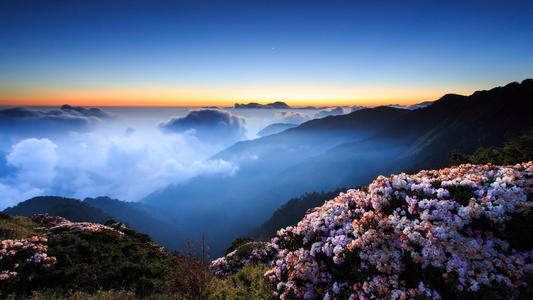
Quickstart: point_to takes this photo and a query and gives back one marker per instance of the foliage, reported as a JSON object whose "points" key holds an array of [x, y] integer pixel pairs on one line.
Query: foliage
{"points": [[16, 227], [253, 252], [20, 259], [248, 283], [78, 295], [191, 276], [90, 261], [93, 261], [455, 233], [517, 149]]}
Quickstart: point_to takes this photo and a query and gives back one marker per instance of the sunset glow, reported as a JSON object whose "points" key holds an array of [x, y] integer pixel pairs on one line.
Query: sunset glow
{"points": [[224, 96], [198, 54]]}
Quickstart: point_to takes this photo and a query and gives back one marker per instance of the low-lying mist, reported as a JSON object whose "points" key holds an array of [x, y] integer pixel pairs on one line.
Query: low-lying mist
{"points": [[124, 153]]}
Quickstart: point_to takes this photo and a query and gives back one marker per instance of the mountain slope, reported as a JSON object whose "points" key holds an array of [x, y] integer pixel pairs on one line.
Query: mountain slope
{"points": [[73, 209], [275, 128], [84, 257], [424, 138], [463, 122], [138, 218], [314, 136], [100, 210], [355, 148]]}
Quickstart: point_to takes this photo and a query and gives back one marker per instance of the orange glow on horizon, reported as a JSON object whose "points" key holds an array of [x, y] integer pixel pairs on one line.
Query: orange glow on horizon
{"points": [[296, 96]]}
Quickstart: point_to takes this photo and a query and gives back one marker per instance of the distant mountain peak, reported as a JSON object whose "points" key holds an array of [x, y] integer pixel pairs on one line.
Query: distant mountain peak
{"points": [[277, 105], [275, 128]]}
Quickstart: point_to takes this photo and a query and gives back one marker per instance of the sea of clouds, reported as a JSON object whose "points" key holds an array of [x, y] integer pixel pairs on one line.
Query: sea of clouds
{"points": [[124, 153]]}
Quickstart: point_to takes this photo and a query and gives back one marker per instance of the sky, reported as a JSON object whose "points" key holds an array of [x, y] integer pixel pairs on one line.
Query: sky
{"points": [[193, 53]]}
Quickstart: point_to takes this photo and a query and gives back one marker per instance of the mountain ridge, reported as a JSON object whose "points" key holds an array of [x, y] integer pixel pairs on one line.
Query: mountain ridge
{"points": [[100, 210], [299, 160]]}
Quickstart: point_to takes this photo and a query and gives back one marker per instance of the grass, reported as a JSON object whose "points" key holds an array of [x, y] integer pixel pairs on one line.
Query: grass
{"points": [[17, 227]]}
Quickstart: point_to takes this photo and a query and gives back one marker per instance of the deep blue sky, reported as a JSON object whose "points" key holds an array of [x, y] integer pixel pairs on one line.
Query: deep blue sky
{"points": [[126, 52]]}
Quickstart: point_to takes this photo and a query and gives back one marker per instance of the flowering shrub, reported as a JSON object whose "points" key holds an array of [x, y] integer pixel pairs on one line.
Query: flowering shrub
{"points": [[16, 255], [49, 221], [446, 234], [59, 225], [250, 252]]}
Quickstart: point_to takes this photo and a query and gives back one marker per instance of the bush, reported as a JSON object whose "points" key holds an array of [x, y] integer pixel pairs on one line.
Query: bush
{"points": [[455, 233], [248, 283], [92, 261], [517, 149], [98, 295]]}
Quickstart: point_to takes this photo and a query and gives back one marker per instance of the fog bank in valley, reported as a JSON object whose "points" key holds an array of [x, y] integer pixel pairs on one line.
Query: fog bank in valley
{"points": [[124, 153]]}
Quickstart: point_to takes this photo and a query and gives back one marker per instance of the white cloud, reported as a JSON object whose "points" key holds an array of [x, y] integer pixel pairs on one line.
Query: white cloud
{"points": [[127, 158], [292, 117], [131, 167], [11, 195], [332, 111], [36, 160], [212, 126]]}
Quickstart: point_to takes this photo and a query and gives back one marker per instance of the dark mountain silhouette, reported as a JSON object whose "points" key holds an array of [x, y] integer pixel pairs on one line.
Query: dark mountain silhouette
{"points": [[313, 137], [422, 138], [72, 209], [100, 210], [463, 123], [420, 105], [275, 128], [277, 104]]}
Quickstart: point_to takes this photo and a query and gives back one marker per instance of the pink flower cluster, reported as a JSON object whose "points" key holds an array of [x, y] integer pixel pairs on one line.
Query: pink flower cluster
{"points": [[81, 226], [48, 221], [364, 243], [58, 225], [251, 252], [14, 253]]}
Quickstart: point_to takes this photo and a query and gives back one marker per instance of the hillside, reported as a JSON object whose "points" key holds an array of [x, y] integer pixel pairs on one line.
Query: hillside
{"points": [[424, 138], [310, 138], [463, 123], [54, 258], [73, 209], [100, 210], [515, 150], [275, 128], [355, 147], [81, 256], [454, 233], [138, 218]]}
